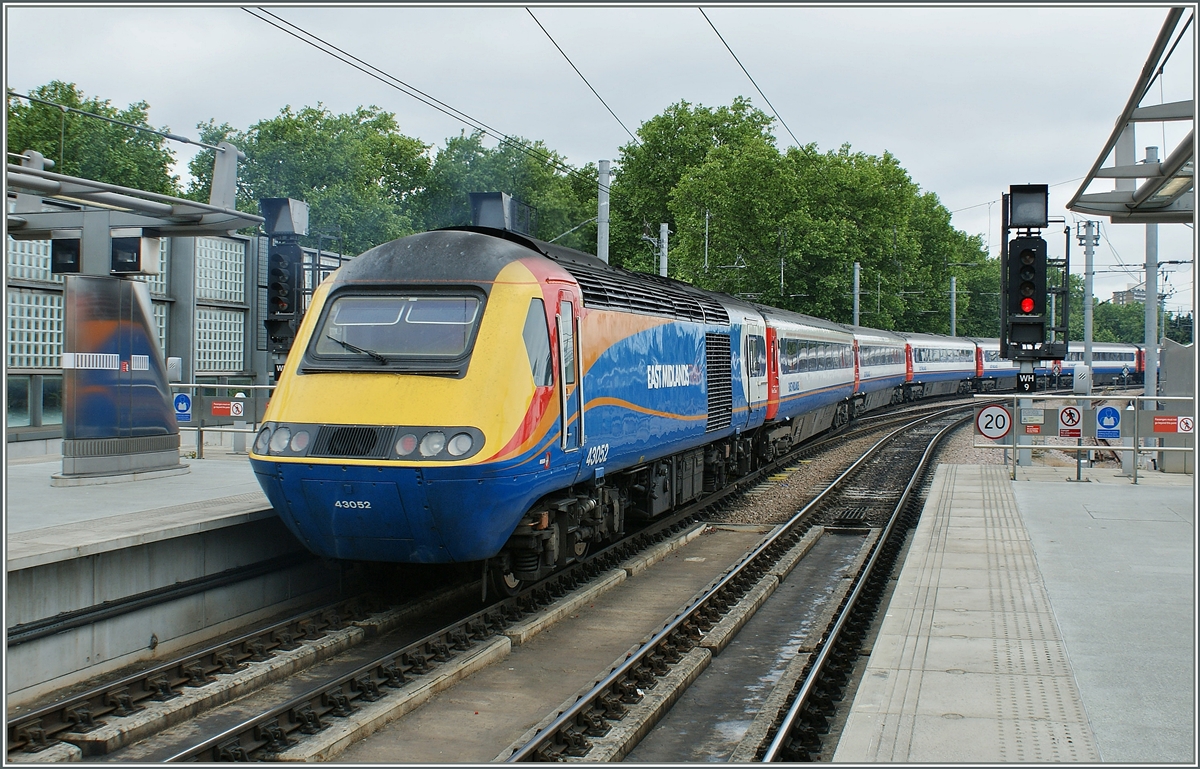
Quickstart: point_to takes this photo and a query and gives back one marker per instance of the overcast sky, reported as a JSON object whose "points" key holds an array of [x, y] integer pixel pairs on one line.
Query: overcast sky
{"points": [[969, 99]]}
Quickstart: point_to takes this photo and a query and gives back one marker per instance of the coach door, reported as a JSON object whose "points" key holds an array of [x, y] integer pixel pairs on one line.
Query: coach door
{"points": [[755, 355], [570, 381]]}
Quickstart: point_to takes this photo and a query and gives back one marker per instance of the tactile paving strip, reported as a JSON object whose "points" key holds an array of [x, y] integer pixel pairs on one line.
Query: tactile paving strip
{"points": [[969, 665]]}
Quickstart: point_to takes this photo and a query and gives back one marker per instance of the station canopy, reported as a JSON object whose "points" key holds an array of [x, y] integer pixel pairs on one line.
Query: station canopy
{"points": [[1160, 192]]}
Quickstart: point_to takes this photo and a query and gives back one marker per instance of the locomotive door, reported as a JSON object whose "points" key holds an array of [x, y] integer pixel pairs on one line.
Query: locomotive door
{"points": [[755, 355], [569, 379]]}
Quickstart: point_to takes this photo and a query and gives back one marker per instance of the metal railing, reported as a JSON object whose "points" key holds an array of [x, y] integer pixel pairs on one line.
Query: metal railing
{"points": [[1135, 445], [200, 429]]}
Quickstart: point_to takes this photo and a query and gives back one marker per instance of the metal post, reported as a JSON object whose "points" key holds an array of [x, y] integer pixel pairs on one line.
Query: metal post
{"points": [[200, 439], [953, 305], [662, 249], [857, 273], [1088, 246], [602, 214], [1151, 304], [1024, 456], [1136, 455], [1078, 459], [1015, 421]]}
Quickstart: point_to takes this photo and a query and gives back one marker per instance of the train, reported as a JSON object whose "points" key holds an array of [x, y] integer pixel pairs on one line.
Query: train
{"points": [[476, 395]]}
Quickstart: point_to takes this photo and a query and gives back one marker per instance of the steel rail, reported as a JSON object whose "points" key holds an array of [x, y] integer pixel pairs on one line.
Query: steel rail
{"points": [[272, 731], [782, 735], [682, 623], [38, 729]]}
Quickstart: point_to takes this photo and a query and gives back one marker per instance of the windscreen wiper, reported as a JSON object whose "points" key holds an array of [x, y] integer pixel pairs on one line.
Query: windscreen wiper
{"points": [[364, 351]]}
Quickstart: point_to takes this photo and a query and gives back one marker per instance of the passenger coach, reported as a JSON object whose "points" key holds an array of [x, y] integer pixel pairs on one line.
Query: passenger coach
{"points": [[937, 365]]}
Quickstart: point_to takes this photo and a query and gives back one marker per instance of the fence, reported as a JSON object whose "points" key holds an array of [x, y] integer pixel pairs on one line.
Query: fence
{"points": [[1083, 421], [222, 409]]}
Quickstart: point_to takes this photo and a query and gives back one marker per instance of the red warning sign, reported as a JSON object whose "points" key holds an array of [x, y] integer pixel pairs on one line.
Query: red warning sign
{"points": [[221, 408], [1033, 429], [1166, 424]]}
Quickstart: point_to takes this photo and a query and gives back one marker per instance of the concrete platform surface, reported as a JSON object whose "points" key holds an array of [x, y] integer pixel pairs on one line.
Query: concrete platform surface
{"points": [[1037, 620], [45, 523]]}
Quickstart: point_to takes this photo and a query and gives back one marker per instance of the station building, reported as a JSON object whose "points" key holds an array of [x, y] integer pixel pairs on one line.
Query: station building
{"points": [[209, 300]]}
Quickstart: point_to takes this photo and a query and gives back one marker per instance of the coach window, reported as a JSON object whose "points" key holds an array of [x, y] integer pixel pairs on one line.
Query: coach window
{"points": [[756, 353], [566, 340], [537, 344]]}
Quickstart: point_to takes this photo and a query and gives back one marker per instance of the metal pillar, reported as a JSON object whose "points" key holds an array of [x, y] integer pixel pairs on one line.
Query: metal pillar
{"points": [[1151, 303], [1088, 271], [1024, 456], [662, 250], [953, 306], [602, 214], [857, 274]]}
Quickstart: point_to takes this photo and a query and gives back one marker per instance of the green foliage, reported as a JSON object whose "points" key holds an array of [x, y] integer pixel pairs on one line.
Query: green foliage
{"points": [[805, 214], [671, 143], [356, 171], [88, 147], [562, 200], [1125, 323], [1178, 328]]}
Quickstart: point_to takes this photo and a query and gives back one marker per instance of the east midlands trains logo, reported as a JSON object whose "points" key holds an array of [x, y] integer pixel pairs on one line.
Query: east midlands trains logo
{"points": [[660, 375]]}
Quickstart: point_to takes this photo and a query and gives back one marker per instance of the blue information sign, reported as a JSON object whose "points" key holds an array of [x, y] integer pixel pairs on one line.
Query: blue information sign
{"points": [[1108, 423], [183, 408]]}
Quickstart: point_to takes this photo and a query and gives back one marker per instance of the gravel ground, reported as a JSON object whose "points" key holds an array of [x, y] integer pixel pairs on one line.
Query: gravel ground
{"points": [[774, 502]]}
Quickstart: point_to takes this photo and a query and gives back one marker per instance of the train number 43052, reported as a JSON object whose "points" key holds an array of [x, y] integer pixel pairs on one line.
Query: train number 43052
{"points": [[361, 503], [597, 454]]}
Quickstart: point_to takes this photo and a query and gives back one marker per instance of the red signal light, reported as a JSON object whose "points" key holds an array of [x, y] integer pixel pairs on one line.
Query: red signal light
{"points": [[1027, 304]]}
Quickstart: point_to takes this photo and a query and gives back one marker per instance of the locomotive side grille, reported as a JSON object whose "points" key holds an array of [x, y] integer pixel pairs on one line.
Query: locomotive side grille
{"points": [[720, 381], [341, 441], [615, 291]]}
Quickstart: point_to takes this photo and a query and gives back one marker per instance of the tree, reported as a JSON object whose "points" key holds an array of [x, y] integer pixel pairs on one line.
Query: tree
{"points": [[356, 171], [89, 147], [787, 228], [562, 196], [670, 144]]}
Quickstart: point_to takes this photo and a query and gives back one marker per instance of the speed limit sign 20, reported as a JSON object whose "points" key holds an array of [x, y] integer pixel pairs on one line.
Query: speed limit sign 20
{"points": [[993, 422]]}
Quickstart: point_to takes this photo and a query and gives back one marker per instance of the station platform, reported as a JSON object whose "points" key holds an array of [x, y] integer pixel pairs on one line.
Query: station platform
{"points": [[173, 561], [45, 523], [1037, 620]]}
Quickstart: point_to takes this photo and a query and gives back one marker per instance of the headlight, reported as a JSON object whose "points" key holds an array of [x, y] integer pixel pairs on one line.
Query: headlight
{"points": [[299, 441], [459, 445], [432, 444], [279, 441], [406, 445], [261, 442]]}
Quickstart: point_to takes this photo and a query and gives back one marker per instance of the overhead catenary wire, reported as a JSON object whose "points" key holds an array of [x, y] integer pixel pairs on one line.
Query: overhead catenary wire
{"points": [[396, 83], [743, 66], [581, 77], [146, 129]]}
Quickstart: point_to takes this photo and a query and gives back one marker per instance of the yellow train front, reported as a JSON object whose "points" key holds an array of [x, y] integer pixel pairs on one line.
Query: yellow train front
{"points": [[416, 419]]}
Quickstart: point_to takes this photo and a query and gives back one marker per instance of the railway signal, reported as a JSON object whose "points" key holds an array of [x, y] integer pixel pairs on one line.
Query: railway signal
{"points": [[1026, 278], [283, 294], [1026, 322], [284, 220]]}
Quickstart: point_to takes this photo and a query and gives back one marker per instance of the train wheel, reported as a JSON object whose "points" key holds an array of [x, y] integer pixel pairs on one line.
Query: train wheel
{"points": [[505, 584]]}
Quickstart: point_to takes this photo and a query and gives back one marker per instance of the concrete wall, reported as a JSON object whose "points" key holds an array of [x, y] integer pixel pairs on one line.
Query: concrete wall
{"points": [[41, 666]]}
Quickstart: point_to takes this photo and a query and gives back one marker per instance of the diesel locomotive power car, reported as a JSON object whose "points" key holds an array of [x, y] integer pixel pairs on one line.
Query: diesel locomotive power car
{"points": [[469, 394]]}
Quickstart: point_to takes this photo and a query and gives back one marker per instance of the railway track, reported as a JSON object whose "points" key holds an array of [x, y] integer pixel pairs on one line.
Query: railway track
{"points": [[101, 710], [874, 492]]}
